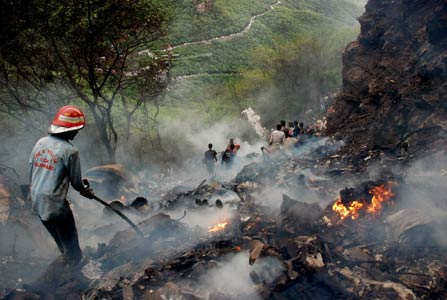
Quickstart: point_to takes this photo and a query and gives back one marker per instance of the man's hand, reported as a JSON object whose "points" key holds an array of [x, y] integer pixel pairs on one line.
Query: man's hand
{"points": [[88, 193]]}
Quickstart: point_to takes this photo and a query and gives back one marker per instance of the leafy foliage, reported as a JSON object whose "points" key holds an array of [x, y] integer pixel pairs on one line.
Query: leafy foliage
{"points": [[114, 59], [79, 48]]}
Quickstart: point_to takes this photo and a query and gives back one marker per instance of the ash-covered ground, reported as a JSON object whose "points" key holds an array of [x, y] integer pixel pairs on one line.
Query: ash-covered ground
{"points": [[297, 223]]}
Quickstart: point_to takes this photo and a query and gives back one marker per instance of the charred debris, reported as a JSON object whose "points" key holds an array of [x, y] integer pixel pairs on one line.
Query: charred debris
{"points": [[365, 221], [327, 241]]}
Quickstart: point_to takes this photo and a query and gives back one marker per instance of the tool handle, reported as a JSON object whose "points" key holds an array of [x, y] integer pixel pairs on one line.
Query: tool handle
{"points": [[123, 216]]}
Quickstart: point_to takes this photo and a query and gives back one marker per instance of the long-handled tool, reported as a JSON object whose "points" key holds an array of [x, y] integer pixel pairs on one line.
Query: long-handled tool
{"points": [[123, 216]]}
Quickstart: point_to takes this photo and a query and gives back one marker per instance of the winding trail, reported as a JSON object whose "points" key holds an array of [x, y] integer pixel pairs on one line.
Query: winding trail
{"points": [[208, 41], [230, 36], [198, 75]]}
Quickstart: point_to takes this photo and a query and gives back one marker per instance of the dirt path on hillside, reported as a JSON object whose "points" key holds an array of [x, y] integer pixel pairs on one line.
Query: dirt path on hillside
{"points": [[189, 76], [230, 36]]}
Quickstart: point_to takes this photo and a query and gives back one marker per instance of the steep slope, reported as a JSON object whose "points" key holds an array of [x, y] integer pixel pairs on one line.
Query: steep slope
{"points": [[212, 56], [201, 50], [395, 80]]}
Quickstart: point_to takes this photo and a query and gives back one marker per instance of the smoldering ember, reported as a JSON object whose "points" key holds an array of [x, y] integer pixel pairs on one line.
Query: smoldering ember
{"points": [[349, 205]]}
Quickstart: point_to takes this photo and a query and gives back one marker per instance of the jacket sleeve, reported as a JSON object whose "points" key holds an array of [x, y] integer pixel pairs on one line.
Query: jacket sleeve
{"points": [[75, 172]]}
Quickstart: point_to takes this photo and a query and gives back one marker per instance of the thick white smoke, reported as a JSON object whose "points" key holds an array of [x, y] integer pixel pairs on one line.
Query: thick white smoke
{"points": [[232, 276]]}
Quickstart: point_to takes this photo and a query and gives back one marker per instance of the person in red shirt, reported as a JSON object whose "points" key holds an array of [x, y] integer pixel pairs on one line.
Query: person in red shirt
{"points": [[233, 147]]}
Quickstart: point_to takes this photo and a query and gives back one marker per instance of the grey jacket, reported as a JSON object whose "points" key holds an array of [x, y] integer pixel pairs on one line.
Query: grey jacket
{"points": [[54, 164]]}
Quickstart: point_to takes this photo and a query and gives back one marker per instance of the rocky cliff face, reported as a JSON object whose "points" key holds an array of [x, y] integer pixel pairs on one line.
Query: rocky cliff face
{"points": [[394, 92]]}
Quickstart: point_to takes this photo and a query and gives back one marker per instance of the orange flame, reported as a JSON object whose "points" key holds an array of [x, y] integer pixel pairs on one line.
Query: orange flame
{"points": [[217, 227], [353, 210], [380, 194]]}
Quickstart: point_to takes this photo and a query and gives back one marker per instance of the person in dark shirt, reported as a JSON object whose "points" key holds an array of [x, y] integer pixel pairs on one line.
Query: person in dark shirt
{"points": [[227, 156], [284, 128], [296, 129], [290, 130], [210, 159]]}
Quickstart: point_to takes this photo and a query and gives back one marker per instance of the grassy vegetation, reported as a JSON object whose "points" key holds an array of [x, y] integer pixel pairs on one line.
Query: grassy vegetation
{"points": [[223, 17], [232, 74], [233, 55], [206, 97], [288, 58], [345, 11]]}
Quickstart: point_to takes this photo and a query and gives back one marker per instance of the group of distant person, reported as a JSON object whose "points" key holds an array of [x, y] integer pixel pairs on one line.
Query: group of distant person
{"points": [[286, 135], [295, 134], [227, 159]]}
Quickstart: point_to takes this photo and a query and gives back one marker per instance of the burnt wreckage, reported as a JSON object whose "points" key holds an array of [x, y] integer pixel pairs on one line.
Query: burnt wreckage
{"points": [[365, 242], [366, 221]]}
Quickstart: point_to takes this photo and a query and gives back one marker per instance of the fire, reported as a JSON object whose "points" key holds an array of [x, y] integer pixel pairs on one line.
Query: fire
{"points": [[218, 227], [380, 194], [353, 210]]}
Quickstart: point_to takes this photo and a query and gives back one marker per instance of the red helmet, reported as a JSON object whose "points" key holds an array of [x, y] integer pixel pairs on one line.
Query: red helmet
{"points": [[68, 118]]}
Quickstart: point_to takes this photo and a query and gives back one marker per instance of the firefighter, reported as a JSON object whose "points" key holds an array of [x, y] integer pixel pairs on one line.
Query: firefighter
{"points": [[54, 165]]}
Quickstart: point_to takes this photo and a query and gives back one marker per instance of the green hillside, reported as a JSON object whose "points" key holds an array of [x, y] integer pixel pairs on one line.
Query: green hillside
{"points": [[279, 57], [222, 17], [216, 79]]}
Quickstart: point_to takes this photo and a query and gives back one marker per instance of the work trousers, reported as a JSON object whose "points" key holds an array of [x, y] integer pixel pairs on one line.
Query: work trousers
{"points": [[63, 230]]}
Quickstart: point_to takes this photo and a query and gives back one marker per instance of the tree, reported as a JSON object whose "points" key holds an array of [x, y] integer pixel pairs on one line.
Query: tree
{"points": [[55, 51]]}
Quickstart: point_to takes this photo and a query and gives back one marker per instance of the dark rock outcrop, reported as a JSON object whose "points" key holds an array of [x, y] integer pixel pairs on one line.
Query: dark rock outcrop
{"points": [[394, 91]]}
